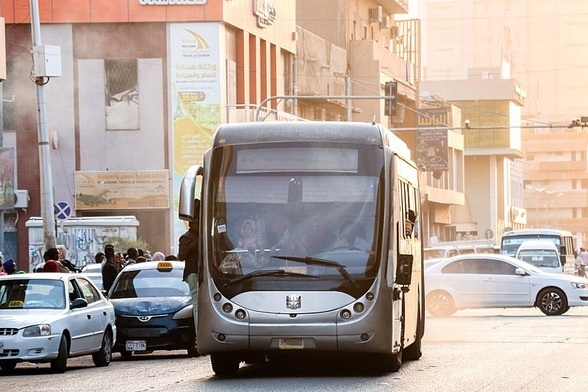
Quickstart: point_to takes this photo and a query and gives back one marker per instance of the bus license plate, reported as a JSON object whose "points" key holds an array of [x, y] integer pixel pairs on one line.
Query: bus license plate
{"points": [[136, 345], [290, 344]]}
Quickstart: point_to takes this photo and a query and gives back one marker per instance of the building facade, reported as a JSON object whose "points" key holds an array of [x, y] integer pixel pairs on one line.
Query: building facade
{"points": [[540, 44], [354, 49]]}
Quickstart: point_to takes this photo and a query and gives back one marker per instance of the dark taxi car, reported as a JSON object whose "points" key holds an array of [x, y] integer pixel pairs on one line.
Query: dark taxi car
{"points": [[153, 309]]}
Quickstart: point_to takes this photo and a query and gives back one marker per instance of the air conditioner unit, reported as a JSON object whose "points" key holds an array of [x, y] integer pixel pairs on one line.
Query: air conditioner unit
{"points": [[394, 32], [21, 198], [376, 14]]}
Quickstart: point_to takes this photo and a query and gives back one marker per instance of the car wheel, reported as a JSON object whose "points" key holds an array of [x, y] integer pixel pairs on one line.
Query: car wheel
{"points": [[552, 301], [440, 304], [224, 365], [8, 366], [104, 356], [59, 364]]}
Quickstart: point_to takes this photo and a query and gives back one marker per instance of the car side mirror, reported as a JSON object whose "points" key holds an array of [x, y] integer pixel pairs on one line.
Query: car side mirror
{"points": [[79, 303], [520, 271]]}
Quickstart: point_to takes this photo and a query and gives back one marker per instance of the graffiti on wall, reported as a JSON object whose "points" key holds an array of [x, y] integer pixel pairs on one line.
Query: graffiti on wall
{"points": [[80, 244]]}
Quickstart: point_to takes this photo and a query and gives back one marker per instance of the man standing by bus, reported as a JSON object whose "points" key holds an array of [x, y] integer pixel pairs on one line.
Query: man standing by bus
{"points": [[188, 252], [583, 262]]}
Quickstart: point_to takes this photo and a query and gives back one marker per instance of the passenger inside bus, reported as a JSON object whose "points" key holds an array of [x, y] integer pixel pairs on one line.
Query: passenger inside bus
{"points": [[352, 236]]}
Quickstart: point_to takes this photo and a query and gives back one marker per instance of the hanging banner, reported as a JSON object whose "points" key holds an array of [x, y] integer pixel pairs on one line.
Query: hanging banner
{"points": [[123, 190], [195, 88], [6, 178]]}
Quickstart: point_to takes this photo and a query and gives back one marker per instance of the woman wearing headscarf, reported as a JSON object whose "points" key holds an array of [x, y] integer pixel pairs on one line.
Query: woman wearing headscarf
{"points": [[158, 256]]}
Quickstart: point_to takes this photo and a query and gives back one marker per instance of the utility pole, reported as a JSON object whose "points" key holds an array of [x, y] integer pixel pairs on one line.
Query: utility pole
{"points": [[47, 209]]}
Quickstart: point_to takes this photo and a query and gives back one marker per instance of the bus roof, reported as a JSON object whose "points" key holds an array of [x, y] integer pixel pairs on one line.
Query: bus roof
{"points": [[537, 232], [306, 131]]}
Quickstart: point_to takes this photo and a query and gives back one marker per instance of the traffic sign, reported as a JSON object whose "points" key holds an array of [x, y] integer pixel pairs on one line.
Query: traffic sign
{"points": [[62, 210]]}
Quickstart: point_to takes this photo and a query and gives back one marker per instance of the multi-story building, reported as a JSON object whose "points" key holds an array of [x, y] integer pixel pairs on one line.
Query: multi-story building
{"points": [[540, 43], [354, 48]]}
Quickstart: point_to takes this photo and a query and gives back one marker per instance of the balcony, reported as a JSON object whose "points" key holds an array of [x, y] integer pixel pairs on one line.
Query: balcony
{"points": [[369, 58], [394, 6]]}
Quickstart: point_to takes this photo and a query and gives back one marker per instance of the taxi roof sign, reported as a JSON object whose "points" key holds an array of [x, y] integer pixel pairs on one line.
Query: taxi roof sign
{"points": [[165, 266]]}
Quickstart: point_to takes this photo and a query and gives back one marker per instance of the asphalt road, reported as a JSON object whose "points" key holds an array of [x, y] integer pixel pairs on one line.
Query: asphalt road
{"points": [[474, 350]]}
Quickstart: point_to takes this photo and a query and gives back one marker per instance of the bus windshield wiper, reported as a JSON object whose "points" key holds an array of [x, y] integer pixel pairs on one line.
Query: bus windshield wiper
{"points": [[276, 272], [320, 262]]}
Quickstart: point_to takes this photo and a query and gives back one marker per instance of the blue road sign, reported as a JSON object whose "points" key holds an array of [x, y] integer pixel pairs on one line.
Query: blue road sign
{"points": [[62, 210]]}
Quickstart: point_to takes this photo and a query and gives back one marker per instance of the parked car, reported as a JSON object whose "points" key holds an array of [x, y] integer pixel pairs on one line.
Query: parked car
{"points": [[153, 309], [94, 272], [499, 281], [542, 254], [50, 317], [440, 252]]}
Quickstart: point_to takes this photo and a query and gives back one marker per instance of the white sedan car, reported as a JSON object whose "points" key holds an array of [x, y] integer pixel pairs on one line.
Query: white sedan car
{"points": [[499, 281], [49, 317]]}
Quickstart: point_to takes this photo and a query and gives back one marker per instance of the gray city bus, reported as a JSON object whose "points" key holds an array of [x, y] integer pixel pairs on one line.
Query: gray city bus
{"points": [[309, 244]]}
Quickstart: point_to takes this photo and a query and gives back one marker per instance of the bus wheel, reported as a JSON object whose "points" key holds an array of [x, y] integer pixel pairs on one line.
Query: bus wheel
{"points": [[8, 366], [224, 365], [552, 301], [126, 355], [414, 351], [440, 304], [390, 362]]}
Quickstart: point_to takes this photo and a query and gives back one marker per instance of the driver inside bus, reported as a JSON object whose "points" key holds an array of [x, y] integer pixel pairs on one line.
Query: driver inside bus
{"points": [[352, 236]]}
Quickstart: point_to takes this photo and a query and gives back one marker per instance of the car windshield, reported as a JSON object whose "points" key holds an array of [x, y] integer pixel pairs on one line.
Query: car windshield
{"points": [[31, 294], [540, 258], [150, 283]]}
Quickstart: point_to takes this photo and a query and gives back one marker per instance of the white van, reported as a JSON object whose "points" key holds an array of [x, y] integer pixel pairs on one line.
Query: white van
{"points": [[542, 254]]}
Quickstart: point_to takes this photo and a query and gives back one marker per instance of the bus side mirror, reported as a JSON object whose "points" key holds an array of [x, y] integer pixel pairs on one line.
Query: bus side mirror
{"points": [[186, 210]]}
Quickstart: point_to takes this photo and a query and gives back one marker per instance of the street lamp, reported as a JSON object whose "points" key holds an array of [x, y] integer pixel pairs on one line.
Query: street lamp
{"points": [[538, 190], [547, 194]]}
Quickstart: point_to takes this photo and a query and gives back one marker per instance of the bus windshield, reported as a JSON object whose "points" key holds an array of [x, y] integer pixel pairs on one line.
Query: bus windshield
{"points": [[510, 244], [276, 211]]}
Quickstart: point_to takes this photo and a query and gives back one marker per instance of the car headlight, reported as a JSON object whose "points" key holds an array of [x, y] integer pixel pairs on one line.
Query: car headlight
{"points": [[37, 330], [578, 285], [184, 313]]}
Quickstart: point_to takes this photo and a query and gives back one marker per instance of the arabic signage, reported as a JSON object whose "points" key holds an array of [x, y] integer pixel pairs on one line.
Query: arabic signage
{"points": [[195, 76], [122, 190], [265, 12], [432, 147]]}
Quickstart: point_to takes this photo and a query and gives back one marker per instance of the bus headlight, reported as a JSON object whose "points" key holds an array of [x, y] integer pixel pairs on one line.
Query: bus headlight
{"points": [[227, 308], [358, 307], [240, 314], [345, 314]]}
